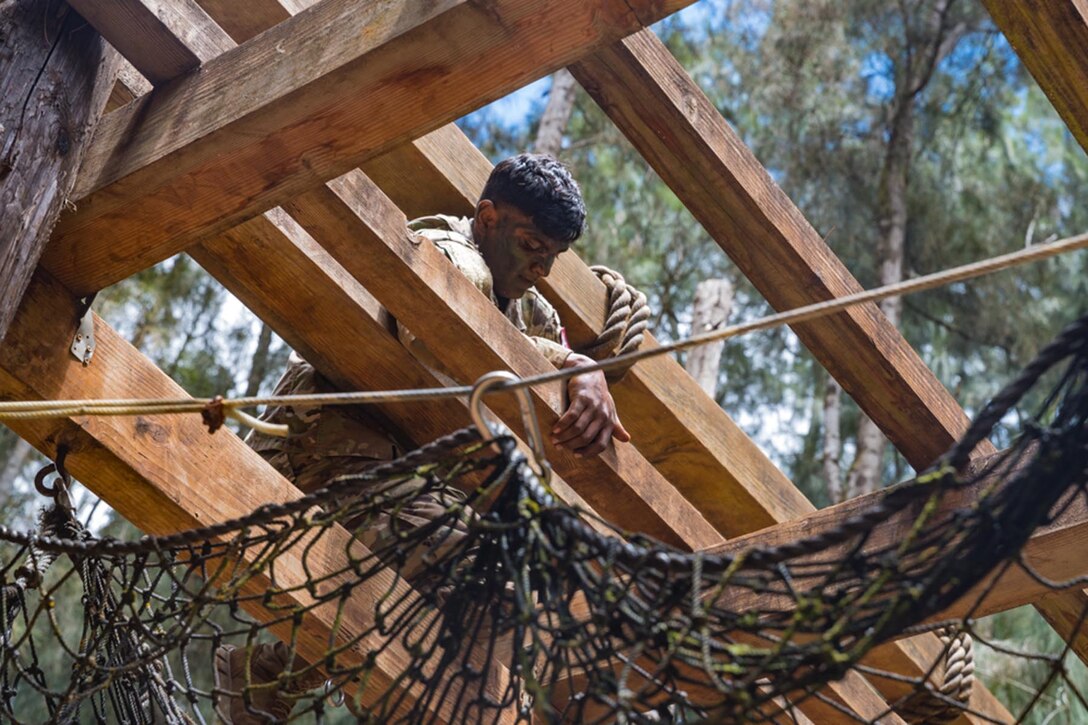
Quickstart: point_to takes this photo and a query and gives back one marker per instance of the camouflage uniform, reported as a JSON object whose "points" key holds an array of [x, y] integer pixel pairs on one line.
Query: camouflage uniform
{"points": [[531, 314], [325, 442]]}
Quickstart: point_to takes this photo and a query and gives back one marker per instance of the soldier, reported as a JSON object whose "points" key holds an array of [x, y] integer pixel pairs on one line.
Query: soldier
{"points": [[530, 212]]}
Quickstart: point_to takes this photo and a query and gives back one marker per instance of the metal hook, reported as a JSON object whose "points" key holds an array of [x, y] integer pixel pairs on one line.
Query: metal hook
{"points": [[528, 417]]}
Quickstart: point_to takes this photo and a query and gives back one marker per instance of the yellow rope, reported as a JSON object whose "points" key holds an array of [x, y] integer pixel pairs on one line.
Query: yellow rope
{"points": [[37, 409]]}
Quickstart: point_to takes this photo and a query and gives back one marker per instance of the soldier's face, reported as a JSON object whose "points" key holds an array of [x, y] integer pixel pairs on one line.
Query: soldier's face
{"points": [[517, 253]]}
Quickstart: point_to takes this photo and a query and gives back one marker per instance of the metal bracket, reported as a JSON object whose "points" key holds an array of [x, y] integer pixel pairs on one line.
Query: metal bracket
{"points": [[83, 343]]}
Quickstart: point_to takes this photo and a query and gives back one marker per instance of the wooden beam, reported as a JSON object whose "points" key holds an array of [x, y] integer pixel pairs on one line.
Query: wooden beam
{"points": [[242, 21], [1052, 550], [367, 234], [130, 85], [166, 473], [297, 105], [1050, 38], [55, 78], [651, 98], [447, 157], [163, 39], [676, 426], [273, 266]]}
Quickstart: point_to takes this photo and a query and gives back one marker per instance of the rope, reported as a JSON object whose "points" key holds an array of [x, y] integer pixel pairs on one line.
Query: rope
{"points": [[627, 319], [38, 409], [952, 697], [502, 596]]}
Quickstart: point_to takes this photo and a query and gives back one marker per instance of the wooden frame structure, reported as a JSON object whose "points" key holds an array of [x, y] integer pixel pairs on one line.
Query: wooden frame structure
{"points": [[291, 187]]}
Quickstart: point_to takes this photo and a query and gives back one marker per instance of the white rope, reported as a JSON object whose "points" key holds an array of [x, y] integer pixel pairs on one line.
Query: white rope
{"points": [[38, 409]]}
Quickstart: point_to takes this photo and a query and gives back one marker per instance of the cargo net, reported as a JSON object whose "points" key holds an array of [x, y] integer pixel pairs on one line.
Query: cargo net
{"points": [[504, 604]]}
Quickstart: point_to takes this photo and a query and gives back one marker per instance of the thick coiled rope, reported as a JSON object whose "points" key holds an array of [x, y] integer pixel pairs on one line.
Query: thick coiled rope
{"points": [[627, 319], [951, 698]]}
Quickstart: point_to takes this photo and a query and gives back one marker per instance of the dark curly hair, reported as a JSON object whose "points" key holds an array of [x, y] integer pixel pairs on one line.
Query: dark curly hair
{"points": [[542, 188]]}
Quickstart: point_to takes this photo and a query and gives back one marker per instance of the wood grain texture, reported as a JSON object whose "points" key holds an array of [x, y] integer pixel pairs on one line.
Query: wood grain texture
{"points": [[1051, 39], [1065, 613], [688, 438], [163, 39], [1051, 36], [674, 126], [1052, 550], [297, 105], [130, 85], [55, 79], [660, 409], [243, 20], [166, 473], [366, 233]]}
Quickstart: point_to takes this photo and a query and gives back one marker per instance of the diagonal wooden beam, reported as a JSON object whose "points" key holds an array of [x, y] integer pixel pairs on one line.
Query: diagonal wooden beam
{"points": [[653, 100], [445, 157], [1053, 551], [367, 234], [280, 273], [297, 106], [167, 38], [166, 473], [1050, 39]]}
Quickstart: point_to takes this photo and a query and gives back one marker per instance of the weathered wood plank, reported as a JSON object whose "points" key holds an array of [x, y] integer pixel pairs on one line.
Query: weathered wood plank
{"points": [[1064, 612], [687, 437], [1050, 38], [366, 234], [163, 39], [297, 105], [664, 416], [332, 321], [1051, 550], [55, 78], [166, 473], [676, 128], [244, 20], [130, 85]]}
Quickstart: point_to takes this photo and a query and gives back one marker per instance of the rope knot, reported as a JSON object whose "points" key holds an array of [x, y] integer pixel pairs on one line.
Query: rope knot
{"points": [[214, 414], [626, 321]]}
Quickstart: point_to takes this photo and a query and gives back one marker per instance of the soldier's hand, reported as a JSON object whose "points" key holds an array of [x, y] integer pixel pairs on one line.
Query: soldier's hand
{"points": [[590, 421]]}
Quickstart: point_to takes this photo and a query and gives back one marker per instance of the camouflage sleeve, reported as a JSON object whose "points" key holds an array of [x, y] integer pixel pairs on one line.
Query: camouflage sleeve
{"points": [[543, 328]]}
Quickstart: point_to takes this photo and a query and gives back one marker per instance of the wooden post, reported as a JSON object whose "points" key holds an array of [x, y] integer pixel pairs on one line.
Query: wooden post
{"points": [[710, 310], [55, 77]]}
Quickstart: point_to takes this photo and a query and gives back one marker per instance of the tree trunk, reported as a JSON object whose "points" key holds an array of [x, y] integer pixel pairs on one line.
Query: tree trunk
{"points": [[56, 75], [926, 49], [258, 369], [865, 473], [553, 124], [713, 301], [833, 440]]}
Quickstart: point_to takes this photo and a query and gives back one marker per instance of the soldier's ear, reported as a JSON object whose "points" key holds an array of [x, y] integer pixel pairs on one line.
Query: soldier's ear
{"points": [[486, 213]]}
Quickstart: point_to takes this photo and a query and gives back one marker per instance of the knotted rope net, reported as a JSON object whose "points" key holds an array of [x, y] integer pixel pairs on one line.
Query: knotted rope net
{"points": [[510, 604]]}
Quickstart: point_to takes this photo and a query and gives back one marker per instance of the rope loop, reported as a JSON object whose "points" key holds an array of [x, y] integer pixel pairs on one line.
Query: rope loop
{"points": [[626, 321]]}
